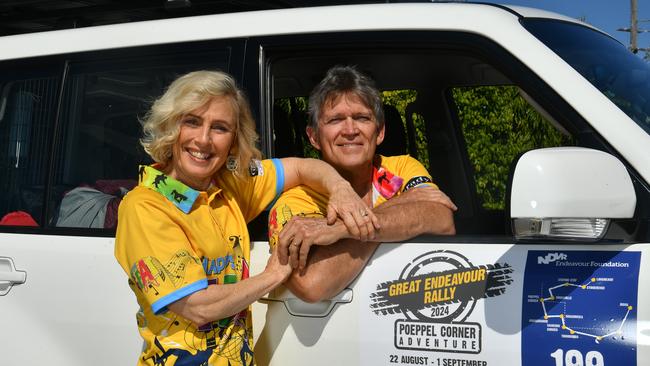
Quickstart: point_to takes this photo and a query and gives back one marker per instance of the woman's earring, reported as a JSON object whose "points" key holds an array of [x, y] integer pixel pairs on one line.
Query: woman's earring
{"points": [[232, 163]]}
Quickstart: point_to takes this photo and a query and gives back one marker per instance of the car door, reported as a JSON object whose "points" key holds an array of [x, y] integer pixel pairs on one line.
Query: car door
{"points": [[70, 150], [468, 111]]}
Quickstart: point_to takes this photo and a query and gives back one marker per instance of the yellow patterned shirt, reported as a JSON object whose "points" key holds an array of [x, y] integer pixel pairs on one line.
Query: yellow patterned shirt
{"points": [[173, 241], [392, 175]]}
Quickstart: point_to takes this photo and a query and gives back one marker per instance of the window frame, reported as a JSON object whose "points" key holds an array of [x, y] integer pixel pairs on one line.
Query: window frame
{"points": [[272, 48], [144, 54]]}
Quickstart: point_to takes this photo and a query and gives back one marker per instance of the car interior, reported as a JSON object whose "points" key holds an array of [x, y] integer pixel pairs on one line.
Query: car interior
{"points": [[424, 122]]}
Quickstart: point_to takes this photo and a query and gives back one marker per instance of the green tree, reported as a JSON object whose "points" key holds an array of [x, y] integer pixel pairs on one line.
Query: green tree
{"points": [[498, 124]]}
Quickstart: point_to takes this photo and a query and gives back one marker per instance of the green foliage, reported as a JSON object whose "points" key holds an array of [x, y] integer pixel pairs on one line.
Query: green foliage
{"points": [[498, 124], [298, 104], [421, 140], [399, 99]]}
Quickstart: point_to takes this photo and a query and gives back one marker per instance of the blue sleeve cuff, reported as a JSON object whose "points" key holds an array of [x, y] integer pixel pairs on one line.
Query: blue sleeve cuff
{"points": [[279, 181], [160, 306]]}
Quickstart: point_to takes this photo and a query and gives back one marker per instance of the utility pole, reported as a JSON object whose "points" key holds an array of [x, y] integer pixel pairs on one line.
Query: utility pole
{"points": [[634, 28]]}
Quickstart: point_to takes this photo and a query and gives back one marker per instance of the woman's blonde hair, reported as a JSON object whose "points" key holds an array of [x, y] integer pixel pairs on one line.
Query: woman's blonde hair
{"points": [[161, 125]]}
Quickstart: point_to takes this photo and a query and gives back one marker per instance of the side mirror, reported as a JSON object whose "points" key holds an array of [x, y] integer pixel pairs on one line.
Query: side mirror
{"points": [[569, 193]]}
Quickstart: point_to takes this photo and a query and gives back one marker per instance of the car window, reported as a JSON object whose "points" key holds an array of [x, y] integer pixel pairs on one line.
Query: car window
{"points": [[290, 120], [621, 76], [27, 111], [99, 151], [498, 125], [464, 112], [405, 128]]}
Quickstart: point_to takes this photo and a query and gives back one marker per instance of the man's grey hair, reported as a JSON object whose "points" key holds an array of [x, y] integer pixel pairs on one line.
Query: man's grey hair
{"points": [[340, 80]]}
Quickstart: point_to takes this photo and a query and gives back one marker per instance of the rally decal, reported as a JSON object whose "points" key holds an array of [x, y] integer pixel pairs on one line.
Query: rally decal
{"points": [[435, 294]]}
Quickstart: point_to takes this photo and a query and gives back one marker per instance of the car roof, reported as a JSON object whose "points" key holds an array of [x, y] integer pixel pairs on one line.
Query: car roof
{"points": [[470, 17], [21, 16]]}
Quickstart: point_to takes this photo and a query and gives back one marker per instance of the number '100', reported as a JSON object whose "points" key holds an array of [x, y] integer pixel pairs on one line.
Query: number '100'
{"points": [[574, 357]]}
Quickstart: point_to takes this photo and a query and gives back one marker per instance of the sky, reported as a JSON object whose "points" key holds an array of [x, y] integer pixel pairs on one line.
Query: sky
{"points": [[606, 15]]}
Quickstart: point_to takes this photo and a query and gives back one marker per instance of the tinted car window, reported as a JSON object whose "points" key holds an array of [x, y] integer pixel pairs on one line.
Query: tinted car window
{"points": [[607, 64], [498, 125], [27, 110], [99, 148]]}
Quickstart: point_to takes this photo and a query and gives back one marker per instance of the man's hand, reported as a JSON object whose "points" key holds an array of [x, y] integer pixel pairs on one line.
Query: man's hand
{"points": [[345, 203], [300, 233], [422, 194]]}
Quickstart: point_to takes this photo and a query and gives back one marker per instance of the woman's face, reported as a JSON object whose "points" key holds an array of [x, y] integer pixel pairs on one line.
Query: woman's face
{"points": [[206, 136]]}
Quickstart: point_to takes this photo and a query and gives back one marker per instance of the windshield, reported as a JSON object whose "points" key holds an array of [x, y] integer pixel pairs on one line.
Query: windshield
{"points": [[623, 77]]}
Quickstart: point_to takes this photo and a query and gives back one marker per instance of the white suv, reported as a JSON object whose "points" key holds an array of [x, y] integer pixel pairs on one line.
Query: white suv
{"points": [[536, 125]]}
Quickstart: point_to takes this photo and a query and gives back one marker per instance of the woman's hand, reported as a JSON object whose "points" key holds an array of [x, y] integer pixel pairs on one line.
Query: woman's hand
{"points": [[219, 301], [274, 266], [358, 218], [344, 202]]}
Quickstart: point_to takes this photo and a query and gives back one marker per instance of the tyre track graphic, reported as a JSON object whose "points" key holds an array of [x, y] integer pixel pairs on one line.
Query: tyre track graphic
{"points": [[563, 316], [497, 278]]}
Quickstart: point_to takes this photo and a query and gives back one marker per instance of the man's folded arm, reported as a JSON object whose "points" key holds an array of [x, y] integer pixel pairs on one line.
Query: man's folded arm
{"points": [[330, 268]]}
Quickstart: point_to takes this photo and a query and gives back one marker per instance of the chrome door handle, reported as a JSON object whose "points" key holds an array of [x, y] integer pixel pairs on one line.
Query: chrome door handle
{"points": [[9, 275], [297, 307]]}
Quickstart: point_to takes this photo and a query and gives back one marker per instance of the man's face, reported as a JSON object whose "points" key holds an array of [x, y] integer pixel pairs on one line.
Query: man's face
{"points": [[348, 133]]}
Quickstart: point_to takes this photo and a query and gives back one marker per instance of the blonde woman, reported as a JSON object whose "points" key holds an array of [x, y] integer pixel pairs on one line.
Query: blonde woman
{"points": [[182, 237]]}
